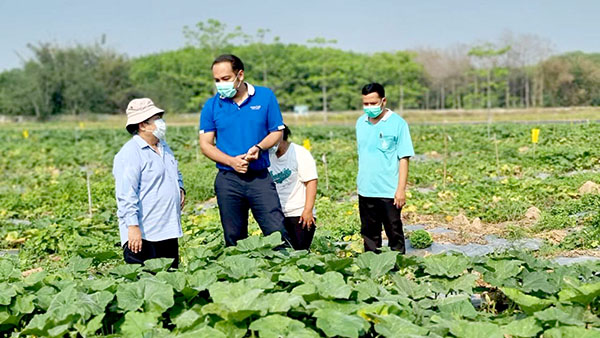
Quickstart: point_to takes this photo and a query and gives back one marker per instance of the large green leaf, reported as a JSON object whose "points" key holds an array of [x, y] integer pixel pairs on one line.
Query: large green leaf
{"points": [[338, 264], [239, 266], [59, 330], [93, 304], [44, 296], [203, 332], [346, 307], [188, 319], [130, 297], [78, 264], [277, 326], [129, 271], [291, 274], [231, 329], [572, 332], [377, 265], [446, 265], [91, 327], [7, 292], [65, 304], [254, 243], [38, 325], [563, 315], [235, 300], [408, 288], [394, 326], [201, 280], [137, 324], [176, 279], [465, 329], [579, 293], [332, 285], [280, 302], [34, 281], [366, 289], [338, 324], [101, 284], [529, 304], [462, 284], [153, 295], [458, 306], [158, 264], [8, 270], [527, 327], [7, 319], [24, 304], [158, 296], [505, 269], [538, 281]]}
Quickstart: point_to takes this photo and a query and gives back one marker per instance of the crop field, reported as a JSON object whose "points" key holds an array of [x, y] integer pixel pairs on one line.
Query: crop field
{"points": [[61, 272]]}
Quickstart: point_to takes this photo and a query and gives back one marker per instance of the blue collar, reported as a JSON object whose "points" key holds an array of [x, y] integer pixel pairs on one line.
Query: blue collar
{"points": [[142, 143]]}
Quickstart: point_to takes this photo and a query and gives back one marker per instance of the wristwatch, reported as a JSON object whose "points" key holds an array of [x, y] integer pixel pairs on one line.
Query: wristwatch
{"points": [[260, 149]]}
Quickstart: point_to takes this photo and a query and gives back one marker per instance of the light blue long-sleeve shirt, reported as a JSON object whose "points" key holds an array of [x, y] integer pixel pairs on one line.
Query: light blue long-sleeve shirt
{"points": [[147, 188]]}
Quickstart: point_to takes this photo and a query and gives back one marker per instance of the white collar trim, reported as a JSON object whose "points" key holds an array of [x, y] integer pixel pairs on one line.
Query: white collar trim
{"points": [[387, 115]]}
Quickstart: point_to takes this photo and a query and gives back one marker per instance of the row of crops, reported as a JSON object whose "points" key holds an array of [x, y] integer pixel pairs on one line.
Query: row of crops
{"points": [[66, 277]]}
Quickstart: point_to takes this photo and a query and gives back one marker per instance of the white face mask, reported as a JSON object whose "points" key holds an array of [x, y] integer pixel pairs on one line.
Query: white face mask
{"points": [[160, 130]]}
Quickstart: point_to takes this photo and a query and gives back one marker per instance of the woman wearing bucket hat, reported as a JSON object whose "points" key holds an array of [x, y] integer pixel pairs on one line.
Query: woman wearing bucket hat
{"points": [[149, 188]]}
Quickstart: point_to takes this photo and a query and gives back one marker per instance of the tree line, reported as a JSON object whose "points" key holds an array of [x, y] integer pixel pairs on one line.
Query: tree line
{"points": [[515, 71]]}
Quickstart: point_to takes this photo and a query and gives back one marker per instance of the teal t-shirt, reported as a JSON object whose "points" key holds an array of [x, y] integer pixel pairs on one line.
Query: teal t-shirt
{"points": [[380, 147]]}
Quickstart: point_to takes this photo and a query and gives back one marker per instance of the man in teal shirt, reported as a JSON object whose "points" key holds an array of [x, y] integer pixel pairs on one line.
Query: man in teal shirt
{"points": [[384, 148]]}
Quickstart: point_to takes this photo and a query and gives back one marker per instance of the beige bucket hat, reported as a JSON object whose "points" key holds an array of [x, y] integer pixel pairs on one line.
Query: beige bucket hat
{"points": [[139, 110]]}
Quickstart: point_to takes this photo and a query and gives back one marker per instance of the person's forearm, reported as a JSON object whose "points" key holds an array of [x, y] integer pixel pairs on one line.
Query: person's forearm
{"points": [[212, 152], [311, 194], [270, 140], [403, 173]]}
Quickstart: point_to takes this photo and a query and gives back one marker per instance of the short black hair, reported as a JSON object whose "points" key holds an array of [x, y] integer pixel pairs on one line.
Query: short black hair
{"points": [[236, 62], [374, 88], [133, 128], [286, 132]]}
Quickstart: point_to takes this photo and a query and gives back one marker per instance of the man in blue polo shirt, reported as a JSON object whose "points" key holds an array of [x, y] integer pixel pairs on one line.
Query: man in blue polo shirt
{"points": [[384, 147], [246, 121]]}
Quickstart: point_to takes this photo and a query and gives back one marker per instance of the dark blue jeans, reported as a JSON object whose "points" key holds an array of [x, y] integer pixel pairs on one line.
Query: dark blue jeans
{"points": [[238, 193]]}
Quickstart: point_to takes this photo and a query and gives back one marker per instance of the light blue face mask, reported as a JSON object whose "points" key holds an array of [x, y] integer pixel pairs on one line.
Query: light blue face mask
{"points": [[161, 129], [373, 111], [226, 88]]}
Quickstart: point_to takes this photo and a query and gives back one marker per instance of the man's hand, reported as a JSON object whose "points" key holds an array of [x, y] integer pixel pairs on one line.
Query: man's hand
{"points": [[307, 219], [252, 154], [400, 198], [182, 197], [239, 164], [135, 239]]}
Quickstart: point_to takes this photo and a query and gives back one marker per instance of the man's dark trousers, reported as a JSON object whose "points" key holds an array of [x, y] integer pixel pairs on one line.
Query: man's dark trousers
{"points": [[375, 212], [168, 248], [255, 190]]}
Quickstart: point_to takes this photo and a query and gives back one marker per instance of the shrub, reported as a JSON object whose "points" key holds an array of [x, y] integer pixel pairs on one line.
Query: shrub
{"points": [[420, 239]]}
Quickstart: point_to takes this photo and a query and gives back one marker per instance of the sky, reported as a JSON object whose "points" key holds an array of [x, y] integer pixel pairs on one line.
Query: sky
{"points": [[137, 27]]}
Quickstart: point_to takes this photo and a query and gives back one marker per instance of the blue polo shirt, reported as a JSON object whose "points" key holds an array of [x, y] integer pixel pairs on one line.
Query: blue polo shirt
{"points": [[380, 147], [238, 127]]}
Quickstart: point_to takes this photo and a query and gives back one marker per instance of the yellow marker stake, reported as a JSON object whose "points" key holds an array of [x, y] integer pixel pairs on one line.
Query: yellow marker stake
{"points": [[306, 144], [535, 136]]}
